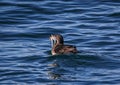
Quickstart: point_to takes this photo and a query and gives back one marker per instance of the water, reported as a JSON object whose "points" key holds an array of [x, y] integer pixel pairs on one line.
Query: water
{"points": [[92, 25]]}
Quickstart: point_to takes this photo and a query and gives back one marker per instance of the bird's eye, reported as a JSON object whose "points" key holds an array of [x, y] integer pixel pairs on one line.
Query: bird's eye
{"points": [[54, 42]]}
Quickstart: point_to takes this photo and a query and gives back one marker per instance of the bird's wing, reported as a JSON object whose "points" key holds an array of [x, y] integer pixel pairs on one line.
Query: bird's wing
{"points": [[61, 49]]}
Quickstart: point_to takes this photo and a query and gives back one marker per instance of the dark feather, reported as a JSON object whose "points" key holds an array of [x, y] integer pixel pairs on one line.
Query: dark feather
{"points": [[63, 49]]}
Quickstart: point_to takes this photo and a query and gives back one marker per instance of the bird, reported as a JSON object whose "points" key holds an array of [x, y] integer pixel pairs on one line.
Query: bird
{"points": [[58, 46]]}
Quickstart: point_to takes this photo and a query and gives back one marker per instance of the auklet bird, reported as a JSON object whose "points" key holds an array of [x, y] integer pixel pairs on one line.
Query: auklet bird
{"points": [[58, 46]]}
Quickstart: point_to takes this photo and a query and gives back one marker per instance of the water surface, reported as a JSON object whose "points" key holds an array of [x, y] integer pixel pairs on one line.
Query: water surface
{"points": [[93, 26]]}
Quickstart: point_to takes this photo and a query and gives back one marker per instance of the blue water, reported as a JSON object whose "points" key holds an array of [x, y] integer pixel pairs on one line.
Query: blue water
{"points": [[93, 26]]}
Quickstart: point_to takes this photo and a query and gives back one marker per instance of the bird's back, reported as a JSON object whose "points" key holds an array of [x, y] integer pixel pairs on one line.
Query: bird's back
{"points": [[64, 49]]}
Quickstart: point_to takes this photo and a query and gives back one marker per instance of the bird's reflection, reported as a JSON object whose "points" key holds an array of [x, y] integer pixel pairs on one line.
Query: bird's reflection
{"points": [[53, 72]]}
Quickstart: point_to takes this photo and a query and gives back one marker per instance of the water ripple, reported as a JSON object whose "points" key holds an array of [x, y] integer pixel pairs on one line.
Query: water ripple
{"points": [[92, 26]]}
